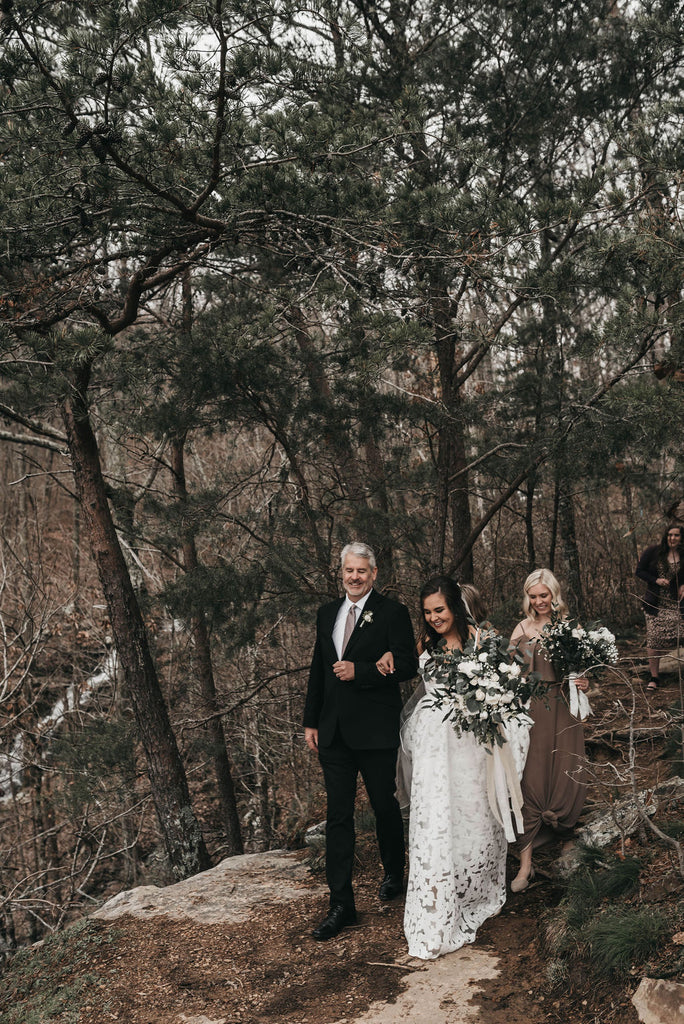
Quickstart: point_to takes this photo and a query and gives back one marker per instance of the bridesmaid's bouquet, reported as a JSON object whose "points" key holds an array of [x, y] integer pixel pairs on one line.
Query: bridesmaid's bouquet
{"points": [[480, 688], [572, 649]]}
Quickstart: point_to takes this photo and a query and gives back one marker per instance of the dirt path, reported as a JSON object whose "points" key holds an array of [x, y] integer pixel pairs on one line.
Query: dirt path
{"points": [[259, 909]]}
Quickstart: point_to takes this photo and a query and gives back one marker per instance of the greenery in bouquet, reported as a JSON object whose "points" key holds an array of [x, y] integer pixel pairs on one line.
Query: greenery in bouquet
{"points": [[480, 688], [574, 648]]}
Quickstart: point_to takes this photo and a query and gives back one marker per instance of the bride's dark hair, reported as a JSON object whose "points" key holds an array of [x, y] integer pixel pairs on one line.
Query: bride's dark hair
{"points": [[449, 588]]}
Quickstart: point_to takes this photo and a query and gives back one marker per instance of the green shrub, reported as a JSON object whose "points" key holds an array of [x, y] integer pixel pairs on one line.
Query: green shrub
{"points": [[621, 878], [586, 888], [619, 939], [44, 982], [591, 856]]}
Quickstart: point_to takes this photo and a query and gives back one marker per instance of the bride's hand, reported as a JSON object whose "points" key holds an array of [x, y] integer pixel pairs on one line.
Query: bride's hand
{"points": [[385, 665], [582, 683]]}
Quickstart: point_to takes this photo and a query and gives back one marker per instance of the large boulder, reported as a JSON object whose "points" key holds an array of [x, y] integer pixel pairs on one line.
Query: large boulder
{"points": [[659, 1002], [228, 892], [672, 662]]}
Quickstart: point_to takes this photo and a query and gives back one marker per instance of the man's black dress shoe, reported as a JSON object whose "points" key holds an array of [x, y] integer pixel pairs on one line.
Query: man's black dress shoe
{"points": [[338, 918], [391, 887]]}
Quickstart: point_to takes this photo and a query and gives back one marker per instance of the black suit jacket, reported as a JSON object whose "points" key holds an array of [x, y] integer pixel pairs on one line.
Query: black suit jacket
{"points": [[367, 707]]}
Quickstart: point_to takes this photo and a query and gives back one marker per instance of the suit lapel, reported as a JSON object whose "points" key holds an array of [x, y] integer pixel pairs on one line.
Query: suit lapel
{"points": [[328, 624]]}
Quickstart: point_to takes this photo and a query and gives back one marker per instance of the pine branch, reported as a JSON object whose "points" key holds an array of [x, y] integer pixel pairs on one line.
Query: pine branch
{"points": [[42, 429], [38, 442]]}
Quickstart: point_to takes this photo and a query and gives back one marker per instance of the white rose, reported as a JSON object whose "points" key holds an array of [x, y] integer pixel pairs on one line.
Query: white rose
{"points": [[479, 695], [482, 657], [468, 668]]}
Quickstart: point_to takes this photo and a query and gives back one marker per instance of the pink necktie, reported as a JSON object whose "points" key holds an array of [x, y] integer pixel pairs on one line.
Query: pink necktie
{"points": [[349, 627]]}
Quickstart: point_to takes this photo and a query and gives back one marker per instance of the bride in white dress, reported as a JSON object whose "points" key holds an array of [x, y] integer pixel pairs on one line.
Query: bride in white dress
{"points": [[457, 848]]}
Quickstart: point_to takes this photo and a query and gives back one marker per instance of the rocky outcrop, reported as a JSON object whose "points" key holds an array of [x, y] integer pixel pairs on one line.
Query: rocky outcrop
{"points": [[672, 662], [659, 1002], [620, 819], [227, 893]]}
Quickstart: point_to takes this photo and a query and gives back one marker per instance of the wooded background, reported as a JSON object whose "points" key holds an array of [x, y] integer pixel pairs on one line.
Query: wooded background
{"points": [[274, 276]]}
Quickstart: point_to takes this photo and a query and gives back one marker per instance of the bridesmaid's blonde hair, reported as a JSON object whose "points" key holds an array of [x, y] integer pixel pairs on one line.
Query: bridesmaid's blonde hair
{"points": [[545, 577]]}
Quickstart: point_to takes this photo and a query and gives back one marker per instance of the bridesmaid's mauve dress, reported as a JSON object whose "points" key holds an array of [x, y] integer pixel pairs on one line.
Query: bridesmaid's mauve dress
{"points": [[554, 783]]}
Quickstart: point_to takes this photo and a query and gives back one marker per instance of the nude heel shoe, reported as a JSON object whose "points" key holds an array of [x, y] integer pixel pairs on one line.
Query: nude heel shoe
{"points": [[520, 884]]}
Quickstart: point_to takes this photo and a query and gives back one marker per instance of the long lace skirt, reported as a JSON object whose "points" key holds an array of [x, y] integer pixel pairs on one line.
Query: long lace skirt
{"points": [[457, 849]]}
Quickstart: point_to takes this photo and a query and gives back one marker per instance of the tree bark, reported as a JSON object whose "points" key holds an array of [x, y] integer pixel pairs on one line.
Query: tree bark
{"points": [[529, 520], [452, 497], [566, 522], [182, 836], [205, 677]]}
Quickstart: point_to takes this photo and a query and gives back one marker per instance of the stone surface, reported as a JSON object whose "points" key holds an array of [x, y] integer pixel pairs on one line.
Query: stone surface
{"points": [[200, 1020], [439, 991], [659, 1002], [315, 836], [672, 662], [602, 827], [225, 893]]}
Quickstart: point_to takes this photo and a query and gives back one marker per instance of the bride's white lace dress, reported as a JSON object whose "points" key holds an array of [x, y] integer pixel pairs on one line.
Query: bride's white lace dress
{"points": [[457, 849]]}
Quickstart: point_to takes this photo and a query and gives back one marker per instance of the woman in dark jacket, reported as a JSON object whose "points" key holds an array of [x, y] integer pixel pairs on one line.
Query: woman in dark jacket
{"points": [[661, 568]]}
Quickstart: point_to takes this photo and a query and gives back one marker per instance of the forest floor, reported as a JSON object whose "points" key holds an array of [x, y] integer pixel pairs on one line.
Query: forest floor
{"points": [[268, 970], [264, 968]]}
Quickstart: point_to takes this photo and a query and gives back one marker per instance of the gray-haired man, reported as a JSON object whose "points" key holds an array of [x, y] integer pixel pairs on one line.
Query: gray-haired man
{"points": [[351, 719]]}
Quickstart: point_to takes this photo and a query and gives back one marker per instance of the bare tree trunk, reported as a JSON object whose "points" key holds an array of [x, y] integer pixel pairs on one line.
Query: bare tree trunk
{"points": [[461, 519], [205, 677], [566, 521], [382, 545], [76, 559], [452, 498], [629, 506], [257, 781], [351, 468], [529, 520], [554, 526], [182, 836]]}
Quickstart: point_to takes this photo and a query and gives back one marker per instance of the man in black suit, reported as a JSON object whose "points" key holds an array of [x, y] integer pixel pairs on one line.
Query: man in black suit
{"points": [[351, 718]]}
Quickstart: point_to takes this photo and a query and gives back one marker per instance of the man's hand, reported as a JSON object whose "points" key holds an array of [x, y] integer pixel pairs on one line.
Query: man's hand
{"points": [[385, 665], [344, 670], [311, 737]]}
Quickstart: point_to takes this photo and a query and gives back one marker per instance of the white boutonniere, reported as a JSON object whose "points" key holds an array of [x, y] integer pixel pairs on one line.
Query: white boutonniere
{"points": [[366, 617]]}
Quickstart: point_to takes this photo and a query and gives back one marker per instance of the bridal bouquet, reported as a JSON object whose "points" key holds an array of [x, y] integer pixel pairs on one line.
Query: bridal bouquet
{"points": [[480, 688], [575, 650]]}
